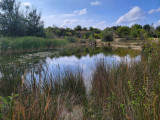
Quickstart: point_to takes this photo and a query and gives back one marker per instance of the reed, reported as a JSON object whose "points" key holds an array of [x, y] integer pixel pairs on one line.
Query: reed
{"points": [[121, 91], [28, 44]]}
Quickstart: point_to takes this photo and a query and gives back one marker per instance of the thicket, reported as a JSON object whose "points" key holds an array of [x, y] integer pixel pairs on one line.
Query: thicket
{"points": [[19, 20]]}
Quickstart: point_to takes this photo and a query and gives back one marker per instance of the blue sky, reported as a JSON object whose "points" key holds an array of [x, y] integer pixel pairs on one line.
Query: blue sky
{"points": [[97, 13]]}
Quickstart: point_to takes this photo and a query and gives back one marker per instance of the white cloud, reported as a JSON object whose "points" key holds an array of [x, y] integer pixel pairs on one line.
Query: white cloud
{"points": [[154, 10], [158, 9], [95, 3], [26, 4], [157, 23], [133, 15], [84, 23], [76, 13], [71, 21], [68, 15], [80, 12], [100, 25]]}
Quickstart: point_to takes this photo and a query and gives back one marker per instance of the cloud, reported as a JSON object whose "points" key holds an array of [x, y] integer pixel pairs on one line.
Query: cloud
{"points": [[68, 15], [100, 25], [95, 3], [26, 4], [158, 9], [80, 12], [84, 23], [157, 23], [133, 15], [76, 13], [154, 10], [71, 21]]}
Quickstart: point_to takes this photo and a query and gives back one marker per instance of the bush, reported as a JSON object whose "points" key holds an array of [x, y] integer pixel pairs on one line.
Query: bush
{"points": [[83, 41], [107, 35], [123, 31], [71, 39], [91, 39]]}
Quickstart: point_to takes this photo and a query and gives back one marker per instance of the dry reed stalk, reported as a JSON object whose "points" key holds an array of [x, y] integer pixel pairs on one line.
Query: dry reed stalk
{"points": [[23, 79], [154, 101], [46, 107]]}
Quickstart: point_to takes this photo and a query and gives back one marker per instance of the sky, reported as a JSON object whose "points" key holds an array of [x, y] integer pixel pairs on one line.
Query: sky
{"points": [[97, 13]]}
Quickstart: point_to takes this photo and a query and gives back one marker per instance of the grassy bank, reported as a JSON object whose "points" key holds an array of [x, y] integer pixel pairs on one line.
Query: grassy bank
{"points": [[124, 91], [28, 44]]}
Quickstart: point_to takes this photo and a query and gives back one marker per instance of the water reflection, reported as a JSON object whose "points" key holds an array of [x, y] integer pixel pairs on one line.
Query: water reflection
{"points": [[40, 66]]}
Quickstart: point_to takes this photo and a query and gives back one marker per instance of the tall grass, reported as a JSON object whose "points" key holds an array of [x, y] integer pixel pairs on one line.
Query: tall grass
{"points": [[123, 91], [24, 44], [49, 97], [127, 91]]}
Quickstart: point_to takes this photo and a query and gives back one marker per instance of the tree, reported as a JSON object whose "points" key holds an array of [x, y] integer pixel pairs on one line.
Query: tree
{"points": [[78, 28], [11, 19], [123, 31], [14, 22], [107, 35], [115, 27], [35, 25], [147, 27], [91, 28], [97, 36], [136, 26], [85, 29], [158, 28], [136, 31]]}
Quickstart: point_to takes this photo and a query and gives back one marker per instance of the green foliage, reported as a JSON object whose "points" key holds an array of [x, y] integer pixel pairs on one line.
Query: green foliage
{"points": [[60, 32], [107, 35], [123, 31], [20, 44], [7, 105], [84, 29], [91, 39], [14, 22], [147, 27], [35, 26], [158, 28], [49, 33], [97, 36], [84, 37], [78, 28], [136, 26], [71, 39]]}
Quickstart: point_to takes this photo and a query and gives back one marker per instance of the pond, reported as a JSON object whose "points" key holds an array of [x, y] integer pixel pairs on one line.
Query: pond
{"points": [[54, 63]]}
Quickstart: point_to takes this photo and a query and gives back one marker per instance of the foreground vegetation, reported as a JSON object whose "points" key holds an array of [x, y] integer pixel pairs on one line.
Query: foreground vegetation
{"points": [[124, 91]]}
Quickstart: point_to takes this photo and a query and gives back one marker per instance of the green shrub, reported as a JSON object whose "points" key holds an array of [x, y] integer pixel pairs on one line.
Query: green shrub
{"points": [[82, 41], [71, 39], [123, 31], [107, 35]]}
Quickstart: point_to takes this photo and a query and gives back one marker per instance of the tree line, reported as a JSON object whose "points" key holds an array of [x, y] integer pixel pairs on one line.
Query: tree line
{"points": [[136, 31], [18, 20]]}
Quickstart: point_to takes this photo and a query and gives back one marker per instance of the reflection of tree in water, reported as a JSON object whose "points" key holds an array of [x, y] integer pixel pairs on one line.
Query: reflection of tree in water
{"points": [[122, 52], [84, 51], [11, 75]]}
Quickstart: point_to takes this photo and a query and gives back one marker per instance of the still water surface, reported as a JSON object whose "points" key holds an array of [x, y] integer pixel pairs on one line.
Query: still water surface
{"points": [[56, 63], [84, 60]]}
